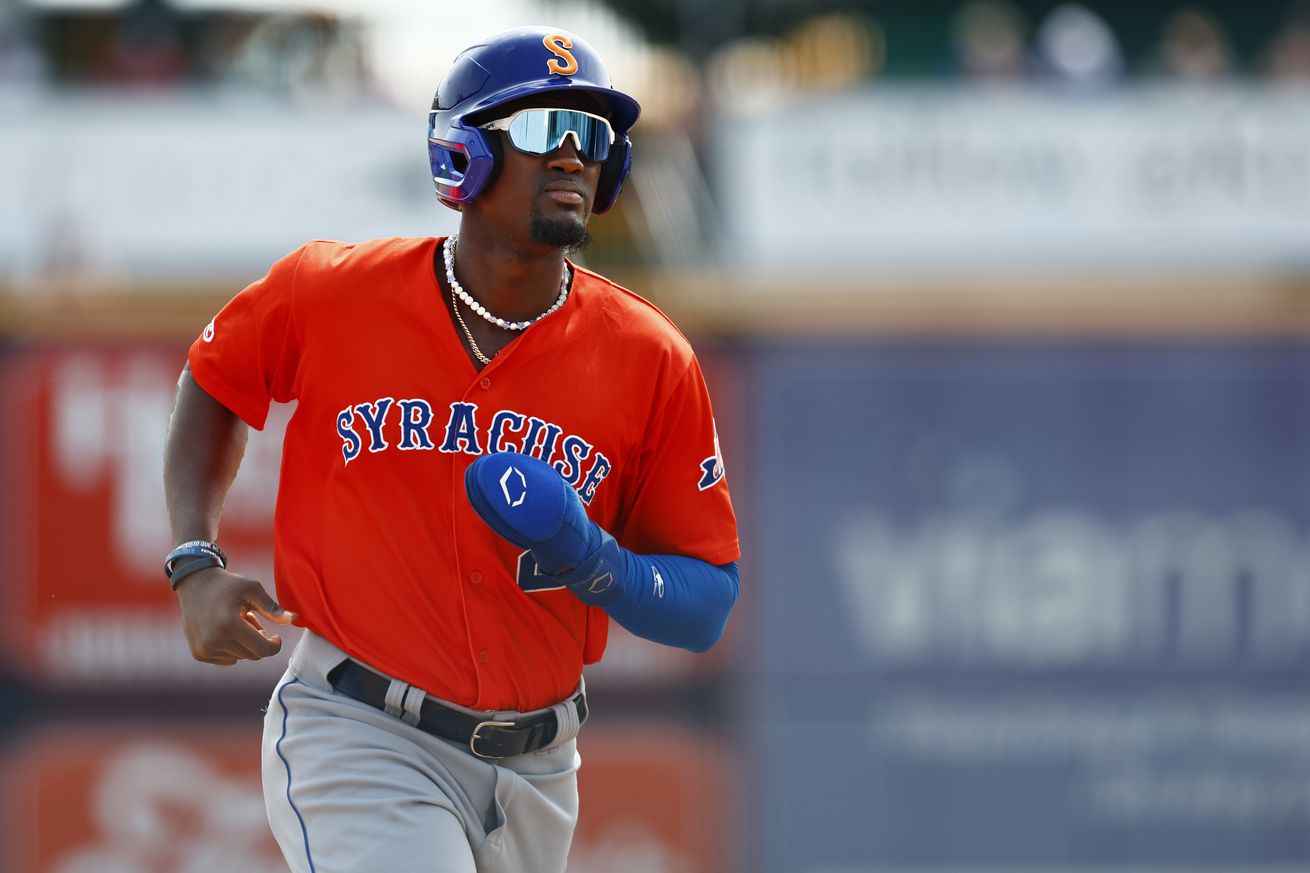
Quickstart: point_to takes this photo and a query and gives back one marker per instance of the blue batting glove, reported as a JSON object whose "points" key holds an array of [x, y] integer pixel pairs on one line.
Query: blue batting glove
{"points": [[527, 502]]}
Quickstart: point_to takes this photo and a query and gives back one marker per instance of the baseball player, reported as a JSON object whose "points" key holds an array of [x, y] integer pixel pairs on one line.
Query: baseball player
{"points": [[493, 453]]}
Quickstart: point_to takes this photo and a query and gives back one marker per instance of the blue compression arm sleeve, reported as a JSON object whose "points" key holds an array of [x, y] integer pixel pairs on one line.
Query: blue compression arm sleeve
{"points": [[679, 601], [669, 599]]}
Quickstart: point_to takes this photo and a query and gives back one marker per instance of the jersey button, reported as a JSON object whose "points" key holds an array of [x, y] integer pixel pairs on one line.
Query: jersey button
{"points": [[485, 383], [484, 656], [475, 577]]}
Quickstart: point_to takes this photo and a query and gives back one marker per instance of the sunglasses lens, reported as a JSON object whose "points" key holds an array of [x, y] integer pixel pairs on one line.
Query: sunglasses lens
{"points": [[541, 131]]}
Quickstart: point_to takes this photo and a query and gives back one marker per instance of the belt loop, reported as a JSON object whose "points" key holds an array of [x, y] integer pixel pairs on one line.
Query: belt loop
{"points": [[567, 722], [394, 703], [413, 704], [579, 701]]}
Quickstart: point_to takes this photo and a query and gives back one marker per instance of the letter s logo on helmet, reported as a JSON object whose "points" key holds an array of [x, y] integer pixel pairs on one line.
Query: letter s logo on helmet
{"points": [[508, 66], [563, 63]]}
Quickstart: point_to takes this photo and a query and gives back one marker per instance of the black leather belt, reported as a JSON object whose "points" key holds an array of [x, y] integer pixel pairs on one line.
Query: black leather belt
{"points": [[486, 738]]}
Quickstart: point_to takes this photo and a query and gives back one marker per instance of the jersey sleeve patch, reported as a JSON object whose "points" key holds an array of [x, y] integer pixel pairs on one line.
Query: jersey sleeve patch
{"points": [[711, 469]]}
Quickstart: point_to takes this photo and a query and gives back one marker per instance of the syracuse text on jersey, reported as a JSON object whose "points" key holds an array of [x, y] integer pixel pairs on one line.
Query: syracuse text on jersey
{"points": [[412, 431]]}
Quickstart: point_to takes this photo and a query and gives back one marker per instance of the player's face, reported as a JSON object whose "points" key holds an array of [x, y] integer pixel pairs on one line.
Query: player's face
{"points": [[547, 196]]}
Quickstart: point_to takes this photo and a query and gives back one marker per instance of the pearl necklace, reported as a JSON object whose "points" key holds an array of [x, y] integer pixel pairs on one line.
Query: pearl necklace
{"points": [[448, 252]]}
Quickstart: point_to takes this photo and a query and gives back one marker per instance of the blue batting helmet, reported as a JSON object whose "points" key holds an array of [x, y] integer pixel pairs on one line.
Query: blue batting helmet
{"points": [[506, 67]]}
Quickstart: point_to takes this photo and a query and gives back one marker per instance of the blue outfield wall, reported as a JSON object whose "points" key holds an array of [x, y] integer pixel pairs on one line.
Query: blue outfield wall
{"points": [[1030, 605]]}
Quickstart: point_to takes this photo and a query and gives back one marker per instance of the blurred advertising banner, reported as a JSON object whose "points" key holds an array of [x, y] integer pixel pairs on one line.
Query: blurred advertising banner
{"points": [[202, 184], [1052, 611], [965, 178], [654, 799], [96, 800], [85, 599], [119, 800]]}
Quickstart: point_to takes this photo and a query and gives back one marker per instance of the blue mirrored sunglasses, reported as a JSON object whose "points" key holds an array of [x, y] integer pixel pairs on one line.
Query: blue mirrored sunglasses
{"points": [[540, 131]]}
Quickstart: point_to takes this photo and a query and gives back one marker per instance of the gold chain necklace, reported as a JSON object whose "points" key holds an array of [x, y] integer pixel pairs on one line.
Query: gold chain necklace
{"points": [[477, 352]]}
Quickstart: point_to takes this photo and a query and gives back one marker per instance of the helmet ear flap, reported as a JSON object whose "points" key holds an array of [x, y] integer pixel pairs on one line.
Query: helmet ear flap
{"points": [[612, 173], [462, 161]]}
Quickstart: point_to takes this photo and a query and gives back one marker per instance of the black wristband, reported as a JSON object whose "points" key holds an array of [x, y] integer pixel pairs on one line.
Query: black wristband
{"points": [[193, 549], [202, 563]]}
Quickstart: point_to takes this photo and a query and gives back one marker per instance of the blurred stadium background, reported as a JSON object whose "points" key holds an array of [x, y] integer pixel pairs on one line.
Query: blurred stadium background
{"points": [[1006, 309]]}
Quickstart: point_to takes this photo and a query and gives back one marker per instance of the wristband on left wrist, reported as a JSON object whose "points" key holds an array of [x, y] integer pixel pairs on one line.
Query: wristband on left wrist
{"points": [[194, 549], [195, 565]]}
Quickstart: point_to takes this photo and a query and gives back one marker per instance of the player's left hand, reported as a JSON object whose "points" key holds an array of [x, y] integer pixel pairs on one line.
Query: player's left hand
{"points": [[528, 503]]}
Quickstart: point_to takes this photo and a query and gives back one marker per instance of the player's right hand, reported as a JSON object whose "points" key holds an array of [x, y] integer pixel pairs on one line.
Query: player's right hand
{"points": [[219, 616]]}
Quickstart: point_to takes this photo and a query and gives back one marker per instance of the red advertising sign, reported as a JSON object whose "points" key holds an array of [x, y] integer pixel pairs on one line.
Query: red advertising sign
{"points": [[83, 800], [85, 600], [654, 799], [94, 801]]}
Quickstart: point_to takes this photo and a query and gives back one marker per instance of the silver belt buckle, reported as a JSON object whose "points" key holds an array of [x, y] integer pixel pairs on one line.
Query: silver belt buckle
{"points": [[473, 740]]}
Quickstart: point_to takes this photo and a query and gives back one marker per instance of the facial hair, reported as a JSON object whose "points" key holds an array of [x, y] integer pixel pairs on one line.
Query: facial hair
{"points": [[572, 236]]}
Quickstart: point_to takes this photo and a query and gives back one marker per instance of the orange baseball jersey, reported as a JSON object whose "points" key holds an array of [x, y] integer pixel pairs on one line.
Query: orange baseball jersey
{"points": [[377, 548]]}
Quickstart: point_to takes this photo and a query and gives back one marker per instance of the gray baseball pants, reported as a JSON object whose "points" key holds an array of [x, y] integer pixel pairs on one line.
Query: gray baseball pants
{"points": [[353, 789]]}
